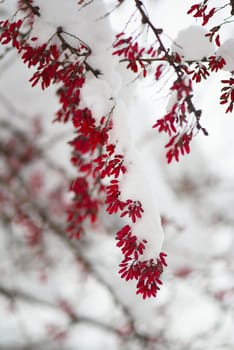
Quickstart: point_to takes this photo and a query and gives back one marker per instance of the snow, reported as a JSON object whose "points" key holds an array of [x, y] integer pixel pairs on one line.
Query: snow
{"points": [[192, 44], [191, 322], [227, 52], [195, 197], [138, 186], [97, 96]]}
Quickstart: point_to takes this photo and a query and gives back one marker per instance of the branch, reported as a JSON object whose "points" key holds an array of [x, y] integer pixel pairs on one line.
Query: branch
{"points": [[39, 152], [66, 45], [232, 6], [177, 68], [149, 60], [78, 253], [34, 9], [12, 294]]}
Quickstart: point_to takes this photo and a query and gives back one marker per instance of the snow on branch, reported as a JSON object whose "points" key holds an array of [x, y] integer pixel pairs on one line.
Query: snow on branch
{"points": [[74, 54]]}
